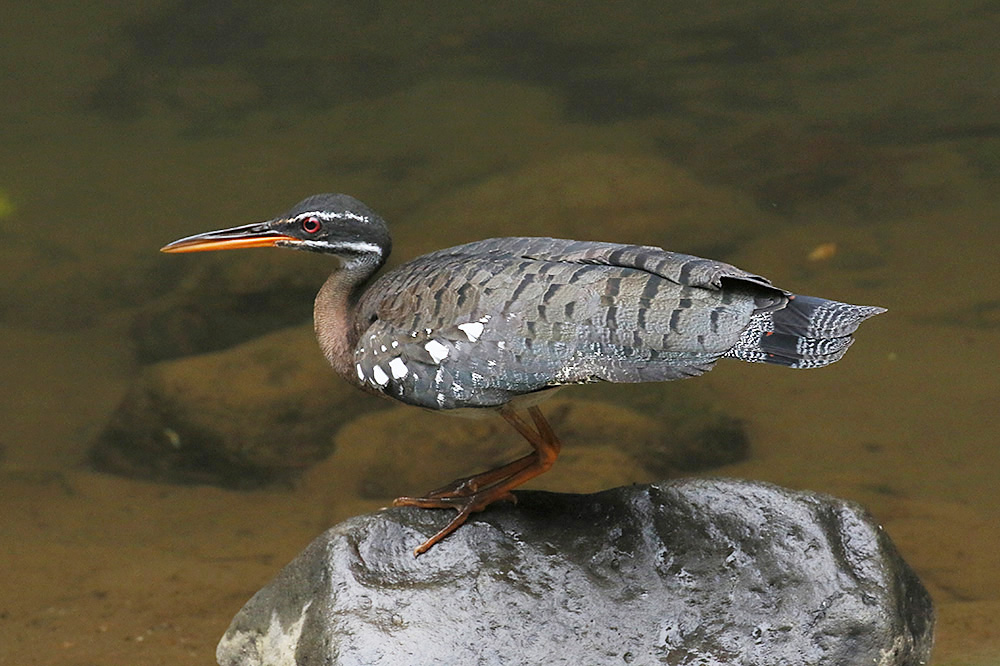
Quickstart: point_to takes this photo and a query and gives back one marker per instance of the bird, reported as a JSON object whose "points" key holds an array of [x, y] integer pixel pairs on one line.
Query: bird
{"points": [[498, 325]]}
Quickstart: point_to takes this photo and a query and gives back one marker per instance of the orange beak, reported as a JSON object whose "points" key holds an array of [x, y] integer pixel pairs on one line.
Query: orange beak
{"points": [[258, 234]]}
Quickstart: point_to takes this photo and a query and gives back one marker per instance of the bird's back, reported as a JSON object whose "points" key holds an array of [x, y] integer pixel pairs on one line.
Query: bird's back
{"points": [[477, 324]]}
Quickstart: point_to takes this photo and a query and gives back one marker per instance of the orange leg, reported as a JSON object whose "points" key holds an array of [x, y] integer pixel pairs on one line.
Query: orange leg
{"points": [[475, 493], [470, 485]]}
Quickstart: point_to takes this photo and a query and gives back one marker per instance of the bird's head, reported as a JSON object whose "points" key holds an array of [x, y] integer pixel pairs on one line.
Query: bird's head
{"points": [[330, 223]]}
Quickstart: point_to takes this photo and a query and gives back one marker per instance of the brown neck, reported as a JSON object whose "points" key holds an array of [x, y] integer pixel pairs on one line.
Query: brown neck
{"points": [[334, 314]]}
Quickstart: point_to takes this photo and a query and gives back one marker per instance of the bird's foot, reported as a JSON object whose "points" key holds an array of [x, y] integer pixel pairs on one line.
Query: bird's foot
{"points": [[475, 493], [465, 506]]}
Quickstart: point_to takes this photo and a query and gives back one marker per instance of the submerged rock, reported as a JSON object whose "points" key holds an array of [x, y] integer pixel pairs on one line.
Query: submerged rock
{"points": [[637, 198], [686, 572], [266, 410], [257, 413], [402, 451], [226, 300]]}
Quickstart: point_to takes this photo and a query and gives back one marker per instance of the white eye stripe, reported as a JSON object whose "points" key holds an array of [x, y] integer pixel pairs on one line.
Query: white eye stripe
{"points": [[357, 247], [327, 216]]}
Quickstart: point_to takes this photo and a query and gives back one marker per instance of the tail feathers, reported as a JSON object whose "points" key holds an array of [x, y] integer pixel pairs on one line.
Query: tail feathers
{"points": [[808, 332], [814, 317]]}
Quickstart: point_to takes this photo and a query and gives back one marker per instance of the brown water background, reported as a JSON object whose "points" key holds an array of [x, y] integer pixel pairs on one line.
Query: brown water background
{"points": [[854, 149]]}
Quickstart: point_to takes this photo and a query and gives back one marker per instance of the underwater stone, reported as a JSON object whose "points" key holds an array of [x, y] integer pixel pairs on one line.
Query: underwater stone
{"points": [[258, 413]]}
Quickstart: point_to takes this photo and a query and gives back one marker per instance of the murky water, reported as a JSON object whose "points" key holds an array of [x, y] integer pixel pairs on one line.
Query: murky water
{"points": [[849, 152]]}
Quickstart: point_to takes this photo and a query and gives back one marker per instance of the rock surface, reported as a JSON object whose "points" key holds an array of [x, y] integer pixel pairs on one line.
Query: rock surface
{"points": [[251, 415], [689, 572]]}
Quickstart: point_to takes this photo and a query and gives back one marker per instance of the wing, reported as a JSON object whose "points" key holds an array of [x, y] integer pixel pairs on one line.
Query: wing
{"points": [[478, 324]]}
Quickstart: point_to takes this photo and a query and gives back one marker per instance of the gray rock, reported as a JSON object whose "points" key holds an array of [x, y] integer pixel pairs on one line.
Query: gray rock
{"points": [[706, 572]]}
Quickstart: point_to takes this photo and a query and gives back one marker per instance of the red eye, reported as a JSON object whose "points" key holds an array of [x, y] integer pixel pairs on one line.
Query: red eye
{"points": [[311, 225]]}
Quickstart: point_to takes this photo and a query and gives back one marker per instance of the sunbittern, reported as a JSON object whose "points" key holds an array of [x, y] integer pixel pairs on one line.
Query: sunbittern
{"points": [[499, 323]]}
